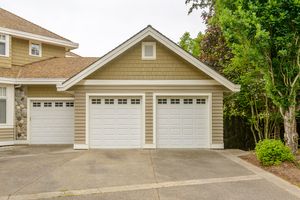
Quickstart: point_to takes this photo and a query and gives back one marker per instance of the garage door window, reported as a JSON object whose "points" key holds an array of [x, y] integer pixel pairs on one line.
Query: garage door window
{"points": [[175, 101], [188, 101], [109, 101], [162, 101], [96, 101], [201, 101], [135, 101], [69, 104], [122, 101], [36, 104], [48, 104], [59, 104]]}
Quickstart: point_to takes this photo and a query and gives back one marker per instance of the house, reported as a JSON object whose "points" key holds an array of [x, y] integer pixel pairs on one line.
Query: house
{"points": [[145, 93]]}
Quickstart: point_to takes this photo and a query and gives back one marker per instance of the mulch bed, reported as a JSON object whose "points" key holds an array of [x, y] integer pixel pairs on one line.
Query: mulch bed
{"points": [[288, 171]]}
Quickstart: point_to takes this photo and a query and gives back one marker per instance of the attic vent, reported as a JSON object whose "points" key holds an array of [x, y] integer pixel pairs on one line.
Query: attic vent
{"points": [[148, 50]]}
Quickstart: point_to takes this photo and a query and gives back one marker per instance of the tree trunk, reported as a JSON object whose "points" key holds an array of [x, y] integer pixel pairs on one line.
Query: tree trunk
{"points": [[290, 129]]}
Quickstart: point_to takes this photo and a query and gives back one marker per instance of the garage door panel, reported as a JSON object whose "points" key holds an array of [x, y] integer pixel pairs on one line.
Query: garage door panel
{"points": [[51, 125], [182, 125], [117, 125]]}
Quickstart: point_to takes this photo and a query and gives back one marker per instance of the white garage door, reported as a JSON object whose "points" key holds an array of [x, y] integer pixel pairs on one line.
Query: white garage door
{"points": [[182, 122], [115, 122], [52, 122]]}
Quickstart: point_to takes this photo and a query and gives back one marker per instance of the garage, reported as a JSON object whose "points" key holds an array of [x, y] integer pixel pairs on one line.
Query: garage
{"points": [[115, 122], [182, 122], [51, 122]]}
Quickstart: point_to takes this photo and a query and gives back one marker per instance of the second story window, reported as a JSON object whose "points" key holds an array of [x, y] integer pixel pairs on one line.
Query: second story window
{"points": [[4, 45], [35, 49], [148, 51]]}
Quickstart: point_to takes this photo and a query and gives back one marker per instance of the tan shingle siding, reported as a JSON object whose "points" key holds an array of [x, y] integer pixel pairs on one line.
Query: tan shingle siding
{"points": [[130, 66], [45, 91], [217, 106], [6, 134], [217, 117], [20, 52]]}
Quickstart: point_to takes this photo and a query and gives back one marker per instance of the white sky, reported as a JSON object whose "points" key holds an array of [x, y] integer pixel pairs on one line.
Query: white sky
{"points": [[99, 26]]}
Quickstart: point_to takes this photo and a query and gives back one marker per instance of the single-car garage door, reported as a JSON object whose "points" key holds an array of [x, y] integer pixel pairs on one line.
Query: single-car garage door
{"points": [[115, 122], [52, 122], [182, 122]]}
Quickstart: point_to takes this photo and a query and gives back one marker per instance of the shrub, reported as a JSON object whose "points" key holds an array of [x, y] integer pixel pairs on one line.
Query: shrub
{"points": [[272, 152]]}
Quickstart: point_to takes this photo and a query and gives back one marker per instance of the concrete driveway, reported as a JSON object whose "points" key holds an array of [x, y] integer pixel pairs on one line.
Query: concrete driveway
{"points": [[58, 172]]}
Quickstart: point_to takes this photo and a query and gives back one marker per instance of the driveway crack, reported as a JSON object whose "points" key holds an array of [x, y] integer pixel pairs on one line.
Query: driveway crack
{"points": [[154, 173]]}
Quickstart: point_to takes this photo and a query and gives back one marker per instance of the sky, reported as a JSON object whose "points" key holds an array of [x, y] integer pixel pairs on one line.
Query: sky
{"points": [[99, 26]]}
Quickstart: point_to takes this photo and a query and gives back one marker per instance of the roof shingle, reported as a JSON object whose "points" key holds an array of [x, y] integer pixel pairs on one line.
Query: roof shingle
{"points": [[12, 21], [50, 68]]}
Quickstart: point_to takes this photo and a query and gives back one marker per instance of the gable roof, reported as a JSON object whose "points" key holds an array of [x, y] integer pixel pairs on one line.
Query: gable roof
{"points": [[52, 68], [148, 31], [17, 26]]}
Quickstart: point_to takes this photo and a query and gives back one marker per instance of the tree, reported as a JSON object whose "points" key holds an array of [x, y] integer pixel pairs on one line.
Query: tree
{"points": [[191, 45], [263, 37]]}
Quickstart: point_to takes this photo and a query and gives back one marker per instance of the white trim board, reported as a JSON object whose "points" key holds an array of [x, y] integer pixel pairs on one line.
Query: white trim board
{"points": [[6, 143], [148, 31], [28, 136], [209, 100], [32, 81], [148, 82], [87, 114], [31, 36]]}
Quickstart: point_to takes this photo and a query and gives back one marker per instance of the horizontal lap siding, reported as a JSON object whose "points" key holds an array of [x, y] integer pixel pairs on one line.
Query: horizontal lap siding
{"points": [[217, 117], [6, 134], [217, 106], [20, 52], [46, 91], [166, 66], [149, 118]]}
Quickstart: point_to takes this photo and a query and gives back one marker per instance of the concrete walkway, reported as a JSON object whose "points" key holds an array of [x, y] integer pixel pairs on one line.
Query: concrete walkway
{"points": [[62, 173]]}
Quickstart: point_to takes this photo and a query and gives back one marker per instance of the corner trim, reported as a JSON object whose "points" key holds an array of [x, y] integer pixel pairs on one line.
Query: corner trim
{"points": [[217, 146], [149, 146], [81, 146], [21, 142]]}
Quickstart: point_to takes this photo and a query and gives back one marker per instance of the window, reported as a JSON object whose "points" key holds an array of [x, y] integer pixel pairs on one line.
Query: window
{"points": [[3, 99], [59, 104], [35, 49], [135, 101], [162, 101], [122, 101], [70, 104], [96, 101], [36, 104], [148, 51], [47, 104], [188, 101], [109, 101], [201, 101], [4, 45], [175, 101]]}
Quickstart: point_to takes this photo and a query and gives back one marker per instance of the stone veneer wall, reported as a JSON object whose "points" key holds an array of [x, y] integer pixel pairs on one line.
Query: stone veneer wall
{"points": [[21, 112]]}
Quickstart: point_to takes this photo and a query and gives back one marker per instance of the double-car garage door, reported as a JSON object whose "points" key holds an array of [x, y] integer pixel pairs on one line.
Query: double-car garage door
{"points": [[118, 122]]}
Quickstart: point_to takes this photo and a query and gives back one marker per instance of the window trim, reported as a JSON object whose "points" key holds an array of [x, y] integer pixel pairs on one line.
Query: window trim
{"points": [[7, 45], [10, 96], [153, 44], [41, 48]]}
